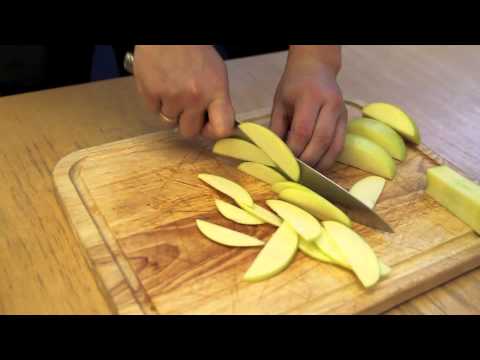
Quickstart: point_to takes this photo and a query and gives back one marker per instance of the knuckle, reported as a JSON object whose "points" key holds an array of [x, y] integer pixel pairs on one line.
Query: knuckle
{"points": [[301, 133], [334, 99]]}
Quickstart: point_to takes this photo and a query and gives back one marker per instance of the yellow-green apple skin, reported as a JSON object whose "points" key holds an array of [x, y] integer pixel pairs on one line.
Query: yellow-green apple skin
{"points": [[241, 150], [225, 236], [310, 249], [280, 186], [263, 214], [329, 247], [455, 192], [274, 147], [275, 256], [395, 117], [228, 187], [381, 134], [261, 172], [234, 213], [368, 190], [364, 154]]}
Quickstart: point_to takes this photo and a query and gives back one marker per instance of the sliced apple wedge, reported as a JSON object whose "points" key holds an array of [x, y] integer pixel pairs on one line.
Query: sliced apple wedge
{"points": [[385, 270], [280, 186], [357, 252], [315, 204], [368, 156], [229, 188], [274, 147], [395, 117], [302, 222], [261, 172], [225, 236], [381, 134], [275, 256], [263, 214], [368, 190], [240, 216], [310, 249], [242, 150], [329, 247], [455, 192]]}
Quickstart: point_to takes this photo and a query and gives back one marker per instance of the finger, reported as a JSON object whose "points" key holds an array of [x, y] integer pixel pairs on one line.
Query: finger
{"points": [[322, 136], [336, 146], [279, 122], [171, 109], [191, 122], [221, 119], [303, 124], [153, 102]]}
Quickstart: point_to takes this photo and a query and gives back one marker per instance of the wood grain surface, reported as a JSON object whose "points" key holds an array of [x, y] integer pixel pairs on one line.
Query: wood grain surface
{"points": [[41, 264]]}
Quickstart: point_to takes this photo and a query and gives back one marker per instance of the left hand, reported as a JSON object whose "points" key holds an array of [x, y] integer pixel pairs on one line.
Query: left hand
{"points": [[308, 109]]}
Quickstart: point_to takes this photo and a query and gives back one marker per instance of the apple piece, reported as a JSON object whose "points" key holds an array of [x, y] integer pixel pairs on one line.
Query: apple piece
{"points": [[225, 236], [329, 247], [240, 216], [302, 222], [385, 270], [395, 117], [310, 249], [228, 187], [357, 252], [381, 134], [241, 150], [263, 214], [277, 254], [368, 190], [274, 147], [315, 204], [280, 186], [261, 172], [368, 156], [455, 192]]}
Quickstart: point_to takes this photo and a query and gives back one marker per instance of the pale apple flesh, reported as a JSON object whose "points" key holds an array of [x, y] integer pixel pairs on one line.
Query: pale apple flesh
{"points": [[368, 190], [329, 247], [367, 156], [381, 134], [263, 214], [456, 193], [315, 204], [310, 249], [261, 172], [228, 187], [234, 213], [241, 150], [225, 236], [280, 186], [302, 222], [395, 117], [274, 147], [275, 256]]}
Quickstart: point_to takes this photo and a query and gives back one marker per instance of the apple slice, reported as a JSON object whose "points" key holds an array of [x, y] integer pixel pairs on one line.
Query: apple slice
{"points": [[241, 150], [385, 270], [329, 247], [225, 236], [261, 172], [302, 222], [274, 147], [310, 249], [315, 204], [240, 216], [357, 252], [381, 134], [228, 187], [395, 117], [368, 156], [280, 186], [263, 214], [456, 193], [368, 190], [277, 254]]}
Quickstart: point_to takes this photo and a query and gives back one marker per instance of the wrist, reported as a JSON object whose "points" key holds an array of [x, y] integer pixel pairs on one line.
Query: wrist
{"points": [[329, 55]]}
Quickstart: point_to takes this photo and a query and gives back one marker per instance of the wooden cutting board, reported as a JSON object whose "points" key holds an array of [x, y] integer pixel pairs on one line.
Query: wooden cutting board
{"points": [[133, 205]]}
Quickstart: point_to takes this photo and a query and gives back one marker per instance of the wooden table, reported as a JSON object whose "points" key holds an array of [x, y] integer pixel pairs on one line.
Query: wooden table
{"points": [[42, 269]]}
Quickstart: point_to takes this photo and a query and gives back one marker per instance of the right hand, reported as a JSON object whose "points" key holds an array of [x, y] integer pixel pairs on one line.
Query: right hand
{"points": [[188, 83]]}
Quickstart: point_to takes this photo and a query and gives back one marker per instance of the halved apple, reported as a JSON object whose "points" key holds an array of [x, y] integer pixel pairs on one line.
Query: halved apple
{"points": [[274, 147], [315, 204], [395, 117], [357, 252], [263, 214], [379, 133], [302, 222], [455, 192], [228, 187], [368, 190], [280, 186], [225, 236], [261, 172], [241, 150], [368, 156], [310, 249], [240, 216], [275, 256]]}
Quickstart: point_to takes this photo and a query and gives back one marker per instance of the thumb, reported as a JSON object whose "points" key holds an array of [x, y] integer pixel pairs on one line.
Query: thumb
{"points": [[221, 119]]}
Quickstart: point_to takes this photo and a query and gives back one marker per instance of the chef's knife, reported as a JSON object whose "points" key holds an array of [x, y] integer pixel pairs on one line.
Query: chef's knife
{"points": [[320, 184]]}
